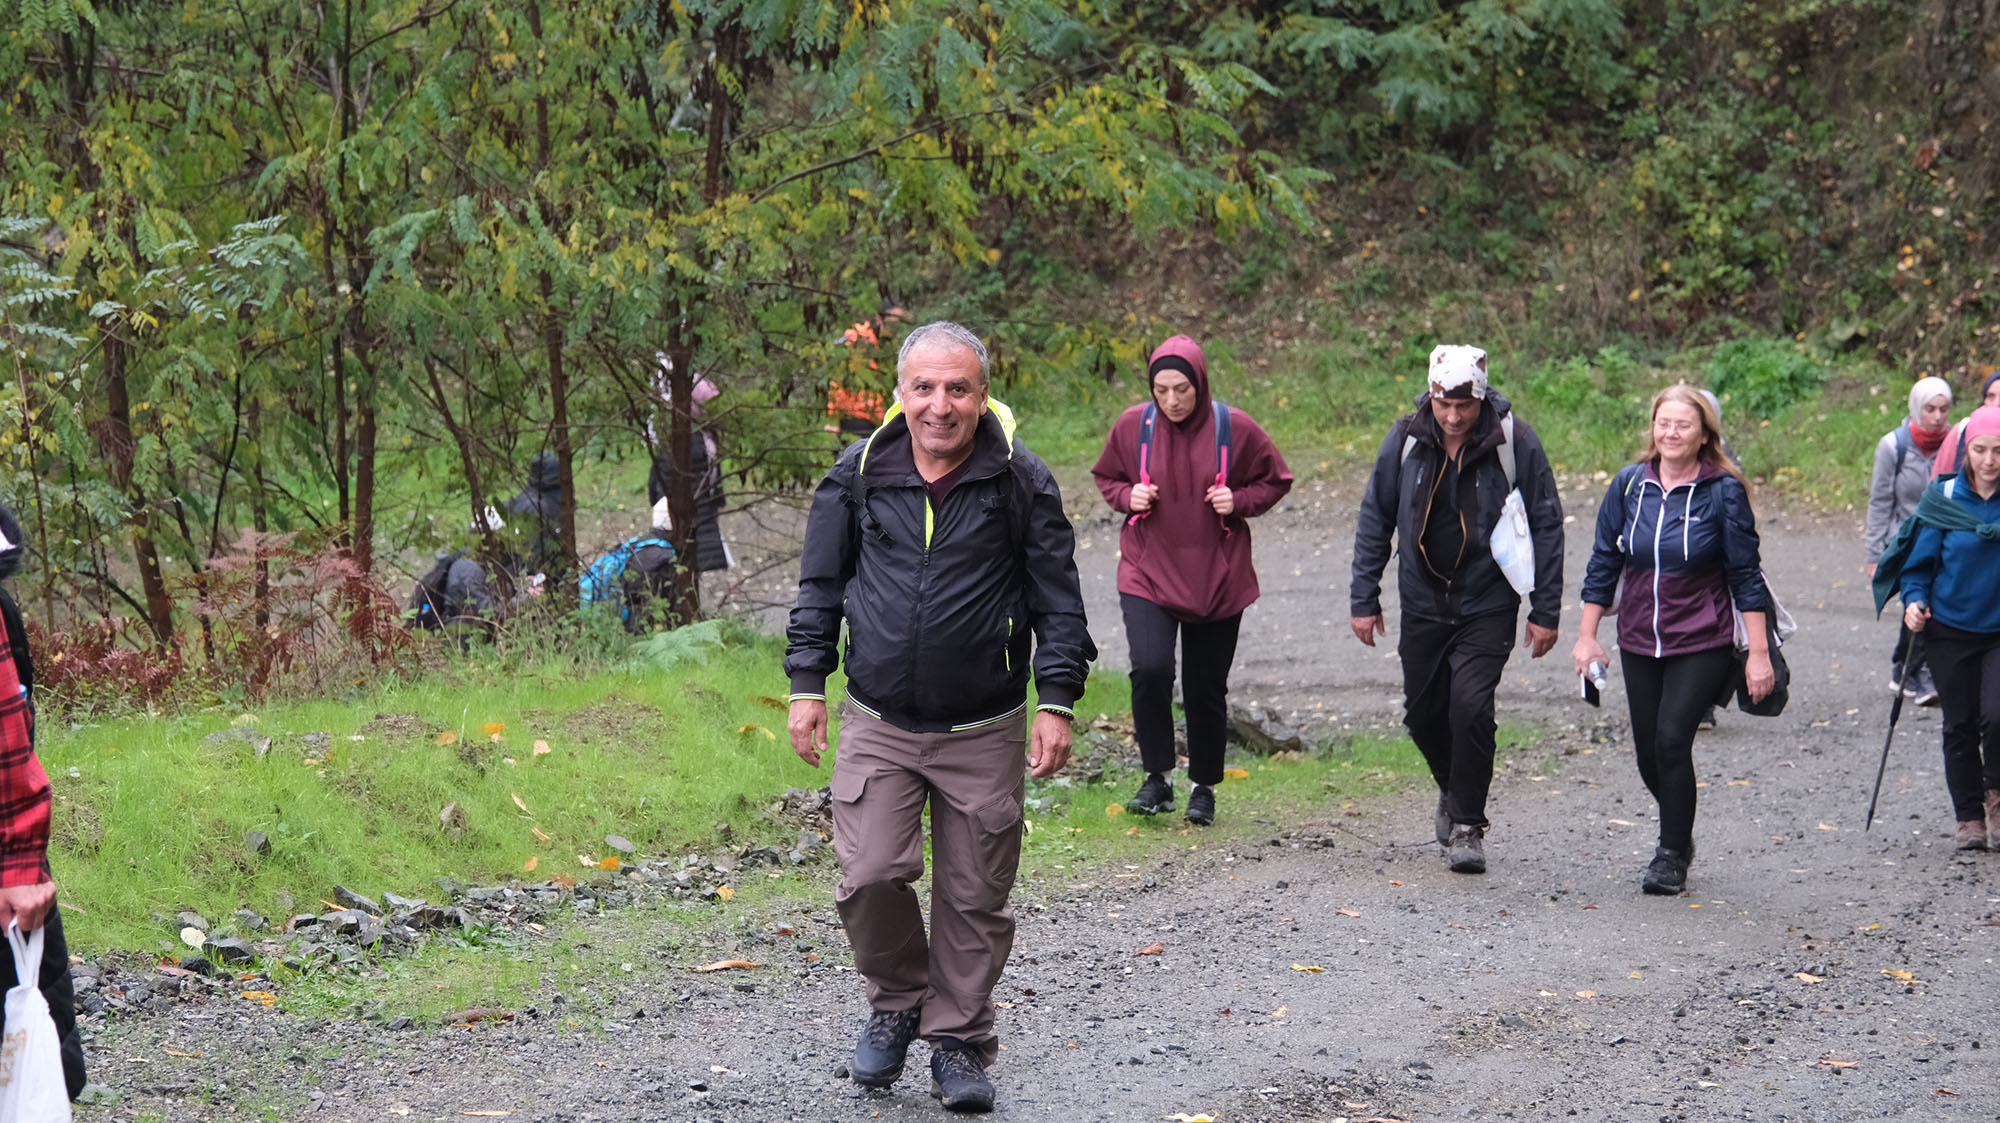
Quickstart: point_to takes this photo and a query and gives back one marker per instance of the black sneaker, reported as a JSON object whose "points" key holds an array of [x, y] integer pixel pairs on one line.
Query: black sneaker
{"points": [[959, 1081], [878, 1056], [1201, 805], [1466, 849], [1443, 824], [1155, 795], [1707, 719], [1668, 875]]}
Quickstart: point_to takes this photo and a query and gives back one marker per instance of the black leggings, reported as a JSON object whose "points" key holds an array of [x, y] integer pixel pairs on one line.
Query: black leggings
{"points": [[1966, 668], [1207, 650], [1668, 697]]}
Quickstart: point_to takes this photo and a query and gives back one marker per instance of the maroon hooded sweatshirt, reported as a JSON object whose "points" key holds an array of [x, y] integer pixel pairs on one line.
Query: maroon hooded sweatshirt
{"points": [[1182, 556]]}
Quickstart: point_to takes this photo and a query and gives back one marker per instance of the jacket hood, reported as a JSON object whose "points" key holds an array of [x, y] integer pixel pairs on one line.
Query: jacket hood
{"points": [[1187, 350], [886, 454], [1486, 432], [544, 473]]}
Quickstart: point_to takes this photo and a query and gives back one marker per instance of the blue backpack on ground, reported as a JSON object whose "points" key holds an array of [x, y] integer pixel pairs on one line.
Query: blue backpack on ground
{"points": [[634, 573]]}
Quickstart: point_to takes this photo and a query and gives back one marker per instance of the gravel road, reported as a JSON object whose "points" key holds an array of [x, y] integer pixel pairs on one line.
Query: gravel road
{"points": [[1813, 972]]}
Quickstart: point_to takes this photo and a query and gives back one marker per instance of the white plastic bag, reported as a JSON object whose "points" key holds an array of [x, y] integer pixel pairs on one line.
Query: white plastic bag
{"points": [[1513, 549], [31, 1072]]}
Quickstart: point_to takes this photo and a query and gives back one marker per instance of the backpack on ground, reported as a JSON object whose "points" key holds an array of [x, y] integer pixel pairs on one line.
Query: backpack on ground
{"points": [[632, 575], [432, 602]]}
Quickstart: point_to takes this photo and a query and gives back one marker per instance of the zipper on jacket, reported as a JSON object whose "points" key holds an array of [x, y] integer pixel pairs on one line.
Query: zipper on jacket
{"points": [[1007, 648]]}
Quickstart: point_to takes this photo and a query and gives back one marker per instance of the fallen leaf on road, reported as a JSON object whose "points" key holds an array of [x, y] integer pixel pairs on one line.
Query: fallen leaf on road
{"points": [[1906, 976], [1397, 884], [1804, 977], [399, 1109], [529, 865], [562, 879], [718, 1069], [726, 892], [448, 737], [1939, 1092], [542, 748], [541, 834], [1236, 773], [1831, 1063], [1279, 1012], [1825, 827], [518, 802], [263, 997], [1184, 1117], [1132, 830], [1154, 948], [1739, 783], [1315, 968], [1620, 822], [1114, 810], [1586, 994], [178, 1053], [1347, 912], [726, 965], [608, 862], [1003, 1005]]}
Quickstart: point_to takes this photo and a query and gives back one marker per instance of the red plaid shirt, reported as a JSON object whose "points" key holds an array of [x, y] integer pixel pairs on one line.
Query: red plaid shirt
{"points": [[24, 787]]}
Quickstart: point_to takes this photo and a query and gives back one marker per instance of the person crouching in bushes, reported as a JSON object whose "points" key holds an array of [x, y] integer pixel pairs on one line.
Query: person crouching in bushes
{"points": [[1677, 524], [1190, 472], [1951, 596], [1903, 459]]}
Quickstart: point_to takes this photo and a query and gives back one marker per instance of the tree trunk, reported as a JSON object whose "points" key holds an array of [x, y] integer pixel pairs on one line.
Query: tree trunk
{"points": [[552, 340], [115, 443]]}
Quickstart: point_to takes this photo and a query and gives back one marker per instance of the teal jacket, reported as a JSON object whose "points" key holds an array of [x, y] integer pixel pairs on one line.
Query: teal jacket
{"points": [[1936, 509]]}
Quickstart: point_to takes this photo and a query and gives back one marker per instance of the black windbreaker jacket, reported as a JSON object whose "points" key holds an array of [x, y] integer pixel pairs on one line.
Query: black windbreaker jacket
{"points": [[939, 603], [1394, 502]]}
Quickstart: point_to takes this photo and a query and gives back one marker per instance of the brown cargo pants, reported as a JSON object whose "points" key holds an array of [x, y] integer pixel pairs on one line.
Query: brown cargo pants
{"points": [[973, 781]]}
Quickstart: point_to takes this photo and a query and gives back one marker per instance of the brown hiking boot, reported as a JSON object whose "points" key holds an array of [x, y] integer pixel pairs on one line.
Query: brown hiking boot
{"points": [[1971, 834]]}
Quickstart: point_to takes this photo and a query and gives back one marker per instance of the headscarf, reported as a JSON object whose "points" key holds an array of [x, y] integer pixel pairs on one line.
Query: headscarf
{"points": [[1928, 441], [1984, 422], [1458, 372]]}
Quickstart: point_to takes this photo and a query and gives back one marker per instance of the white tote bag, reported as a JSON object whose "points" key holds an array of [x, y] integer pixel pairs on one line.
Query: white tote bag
{"points": [[31, 1072], [1513, 543]]}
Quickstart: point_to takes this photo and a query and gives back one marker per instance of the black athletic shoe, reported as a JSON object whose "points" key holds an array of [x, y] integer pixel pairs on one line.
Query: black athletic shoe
{"points": [[1443, 824], [1707, 719], [1201, 805], [1467, 849], [959, 1081], [1668, 875], [878, 1056], [1155, 795]]}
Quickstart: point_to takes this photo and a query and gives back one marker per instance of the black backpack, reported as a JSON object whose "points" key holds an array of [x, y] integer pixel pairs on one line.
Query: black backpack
{"points": [[432, 603]]}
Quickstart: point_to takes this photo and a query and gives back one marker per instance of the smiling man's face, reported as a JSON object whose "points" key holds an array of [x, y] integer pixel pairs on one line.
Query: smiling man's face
{"points": [[943, 397]]}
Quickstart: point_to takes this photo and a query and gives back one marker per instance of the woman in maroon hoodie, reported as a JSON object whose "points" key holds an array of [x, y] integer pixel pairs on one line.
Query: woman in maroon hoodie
{"points": [[1184, 560]]}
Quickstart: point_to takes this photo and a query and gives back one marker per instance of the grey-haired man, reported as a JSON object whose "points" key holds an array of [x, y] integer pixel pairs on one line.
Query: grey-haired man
{"points": [[942, 543]]}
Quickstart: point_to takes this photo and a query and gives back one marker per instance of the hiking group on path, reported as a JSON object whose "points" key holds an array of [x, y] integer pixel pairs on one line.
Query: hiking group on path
{"points": [[940, 543]]}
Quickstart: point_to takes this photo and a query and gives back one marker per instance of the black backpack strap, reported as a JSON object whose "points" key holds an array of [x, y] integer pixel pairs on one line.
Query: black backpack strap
{"points": [[24, 660], [1904, 439]]}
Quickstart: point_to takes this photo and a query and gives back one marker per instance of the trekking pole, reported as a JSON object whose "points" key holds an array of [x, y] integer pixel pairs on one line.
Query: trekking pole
{"points": [[1912, 655]]}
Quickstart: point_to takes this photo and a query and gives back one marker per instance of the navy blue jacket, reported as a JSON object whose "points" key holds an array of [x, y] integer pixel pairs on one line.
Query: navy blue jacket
{"points": [[1685, 552], [1957, 572]]}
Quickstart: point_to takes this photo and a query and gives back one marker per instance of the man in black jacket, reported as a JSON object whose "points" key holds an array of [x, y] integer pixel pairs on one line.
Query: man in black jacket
{"points": [[943, 544], [1439, 487]]}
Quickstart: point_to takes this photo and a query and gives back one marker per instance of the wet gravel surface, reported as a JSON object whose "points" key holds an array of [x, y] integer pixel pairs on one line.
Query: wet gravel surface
{"points": [[1333, 969]]}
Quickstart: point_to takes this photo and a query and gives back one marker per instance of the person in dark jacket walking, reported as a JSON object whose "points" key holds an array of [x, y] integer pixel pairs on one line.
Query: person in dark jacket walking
{"points": [[1903, 459], [1439, 488], [943, 546], [1677, 525], [1951, 595], [27, 895], [1184, 562]]}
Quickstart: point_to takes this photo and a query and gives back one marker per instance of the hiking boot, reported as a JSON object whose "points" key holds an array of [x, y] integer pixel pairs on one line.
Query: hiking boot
{"points": [[1155, 795], [1466, 849], [1992, 814], [878, 1056], [959, 1081], [1971, 834], [1443, 824], [1201, 805], [1668, 875], [1707, 719]]}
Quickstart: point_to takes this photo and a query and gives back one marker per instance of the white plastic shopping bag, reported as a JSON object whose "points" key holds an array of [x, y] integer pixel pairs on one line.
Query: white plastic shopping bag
{"points": [[31, 1072], [1513, 548]]}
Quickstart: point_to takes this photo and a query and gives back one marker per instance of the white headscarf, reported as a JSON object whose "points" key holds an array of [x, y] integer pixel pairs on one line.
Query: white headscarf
{"points": [[1922, 393], [1456, 365]]}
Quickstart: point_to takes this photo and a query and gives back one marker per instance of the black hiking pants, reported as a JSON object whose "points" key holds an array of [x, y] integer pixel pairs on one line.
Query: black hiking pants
{"points": [[1450, 672], [1207, 650], [1965, 666], [1668, 698]]}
